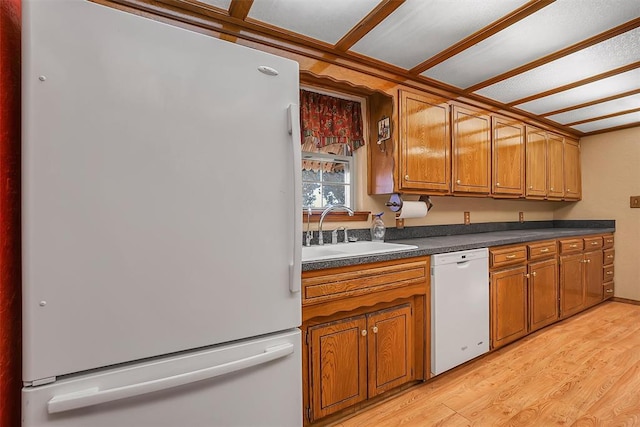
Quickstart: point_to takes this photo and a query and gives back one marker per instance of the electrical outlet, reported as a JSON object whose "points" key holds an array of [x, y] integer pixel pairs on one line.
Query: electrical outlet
{"points": [[634, 202], [521, 217], [467, 218]]}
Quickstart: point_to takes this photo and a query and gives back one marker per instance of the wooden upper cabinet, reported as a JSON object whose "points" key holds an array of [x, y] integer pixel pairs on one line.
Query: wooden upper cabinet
{"points": [[572, 173], [536, 169], [471, 148], [508, 158], [555, 166], [425, 147]]}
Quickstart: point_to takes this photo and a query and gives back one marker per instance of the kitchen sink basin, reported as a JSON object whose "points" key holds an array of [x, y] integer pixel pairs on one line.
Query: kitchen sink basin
{"points": [[343, 250]]}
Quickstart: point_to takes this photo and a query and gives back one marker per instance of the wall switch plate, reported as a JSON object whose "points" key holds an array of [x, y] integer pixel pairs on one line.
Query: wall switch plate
{"points": [[521, 216], [634, 202], [467, 218]]}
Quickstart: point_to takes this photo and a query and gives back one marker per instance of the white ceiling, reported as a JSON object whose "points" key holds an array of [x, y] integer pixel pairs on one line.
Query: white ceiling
{"points": [[558, 60]]}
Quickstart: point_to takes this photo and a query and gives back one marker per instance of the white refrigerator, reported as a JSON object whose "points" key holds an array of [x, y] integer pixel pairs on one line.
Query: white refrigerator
{"points": [[161, 225]]}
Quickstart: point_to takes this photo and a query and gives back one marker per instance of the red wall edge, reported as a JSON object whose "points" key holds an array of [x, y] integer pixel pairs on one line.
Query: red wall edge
{"points": [[10, 282]]}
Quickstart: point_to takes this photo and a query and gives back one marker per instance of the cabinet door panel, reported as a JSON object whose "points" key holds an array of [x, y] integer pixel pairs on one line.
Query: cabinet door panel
{"points": [[593, 278], [390, 349], [543, 293], [555, 165], [572, 174], [536, 170], [508, 158], [571, 285], [338, 365], [508, 305], [471, 146], [425, 144]]}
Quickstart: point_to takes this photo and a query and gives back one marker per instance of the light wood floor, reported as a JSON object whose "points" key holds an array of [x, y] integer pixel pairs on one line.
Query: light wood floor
{"points": [[584, 371]]}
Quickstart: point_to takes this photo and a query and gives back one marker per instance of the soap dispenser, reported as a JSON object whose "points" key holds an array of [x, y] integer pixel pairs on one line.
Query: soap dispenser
{"points": [[377, 228]]}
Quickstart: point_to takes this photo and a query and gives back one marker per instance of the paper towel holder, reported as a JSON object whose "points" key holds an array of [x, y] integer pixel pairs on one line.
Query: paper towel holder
{"points": [[395, 205]]}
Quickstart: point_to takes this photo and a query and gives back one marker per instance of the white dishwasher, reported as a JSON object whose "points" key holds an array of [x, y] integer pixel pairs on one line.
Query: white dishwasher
{"points": [[459, 308]]}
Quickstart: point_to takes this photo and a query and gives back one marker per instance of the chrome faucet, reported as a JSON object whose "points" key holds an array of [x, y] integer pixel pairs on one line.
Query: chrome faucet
{"points": [[328, 209], [307, 240]]}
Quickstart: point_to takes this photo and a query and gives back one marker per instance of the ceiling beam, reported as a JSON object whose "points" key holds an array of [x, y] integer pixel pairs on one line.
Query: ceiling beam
{"points": [[368, 23], [575, 84], [240, 8], [599, 38], [483, 34], [605, 130], [608, 116], [590, 103]]}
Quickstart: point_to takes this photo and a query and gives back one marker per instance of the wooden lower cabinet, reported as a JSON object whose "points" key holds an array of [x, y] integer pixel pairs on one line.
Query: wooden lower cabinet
{"points": [[571, 285], [508, 296], [359, 357], [593, 278], [338, 365], [543, 293]]}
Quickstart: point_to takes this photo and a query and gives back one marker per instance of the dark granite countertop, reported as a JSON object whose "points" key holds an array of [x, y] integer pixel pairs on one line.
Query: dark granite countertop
{"points": [[442, 244]]}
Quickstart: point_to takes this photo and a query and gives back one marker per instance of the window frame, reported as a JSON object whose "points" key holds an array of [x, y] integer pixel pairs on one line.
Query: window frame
{"points": [[350, 160]]}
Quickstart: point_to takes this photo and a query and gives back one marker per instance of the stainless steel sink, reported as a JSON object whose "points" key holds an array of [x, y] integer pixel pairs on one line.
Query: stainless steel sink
{"points": [[343, 250]]}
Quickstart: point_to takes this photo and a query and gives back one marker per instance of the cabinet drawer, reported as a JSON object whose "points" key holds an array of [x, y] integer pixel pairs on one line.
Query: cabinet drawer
{"points": [[592, 243], [608, 241], [609, 256], [358, 280], [607, 290], [541, 250], [507, 255], [607, 273], [568, 246]]}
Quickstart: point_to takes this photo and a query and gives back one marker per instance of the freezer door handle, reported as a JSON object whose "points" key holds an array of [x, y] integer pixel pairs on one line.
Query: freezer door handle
{"points": [[95, 396], [295, 269]]}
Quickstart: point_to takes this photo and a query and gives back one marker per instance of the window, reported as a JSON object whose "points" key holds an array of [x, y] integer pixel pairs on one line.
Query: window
{"points": [[331, 130], [326, 179]]}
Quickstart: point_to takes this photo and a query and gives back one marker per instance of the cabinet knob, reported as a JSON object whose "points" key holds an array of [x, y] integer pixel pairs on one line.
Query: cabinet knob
{"points": [[406, 177], [497, 184], [364, 332], [458, 181], [551, 189], [534, 274], [568, 189], [531, 187], [375, 329], [527, 276]]}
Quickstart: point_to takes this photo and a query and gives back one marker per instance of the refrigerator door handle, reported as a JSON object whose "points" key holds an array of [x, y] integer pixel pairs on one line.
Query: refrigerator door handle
{"points": [[95, 396], [295, 270]]}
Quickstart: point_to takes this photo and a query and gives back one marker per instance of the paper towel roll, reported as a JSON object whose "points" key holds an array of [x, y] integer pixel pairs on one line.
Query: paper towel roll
{"points": [[413, 210]]}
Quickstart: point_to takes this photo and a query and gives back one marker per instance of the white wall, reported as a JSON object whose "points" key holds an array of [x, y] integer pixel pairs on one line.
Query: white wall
{"points": [[610, 174]]}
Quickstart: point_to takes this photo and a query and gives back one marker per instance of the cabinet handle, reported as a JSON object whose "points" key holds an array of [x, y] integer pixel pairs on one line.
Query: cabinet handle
{"points": [[510, 256], [609, 273], [375, 329], [594, 243], [610, 256], [573, 246], [609, 291], [364, 332], [610, 241], [545, 250]]}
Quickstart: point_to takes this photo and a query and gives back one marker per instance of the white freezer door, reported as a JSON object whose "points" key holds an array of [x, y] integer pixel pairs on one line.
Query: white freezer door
{"points": [[254, 383], [161, 210]]}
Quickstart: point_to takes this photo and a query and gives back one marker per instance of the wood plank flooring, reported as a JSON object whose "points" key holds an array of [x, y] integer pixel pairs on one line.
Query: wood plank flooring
{"points": [[583, 371]]}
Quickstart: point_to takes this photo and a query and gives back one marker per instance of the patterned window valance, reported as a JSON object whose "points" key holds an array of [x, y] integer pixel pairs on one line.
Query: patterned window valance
{"points": [[326, 120]]}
